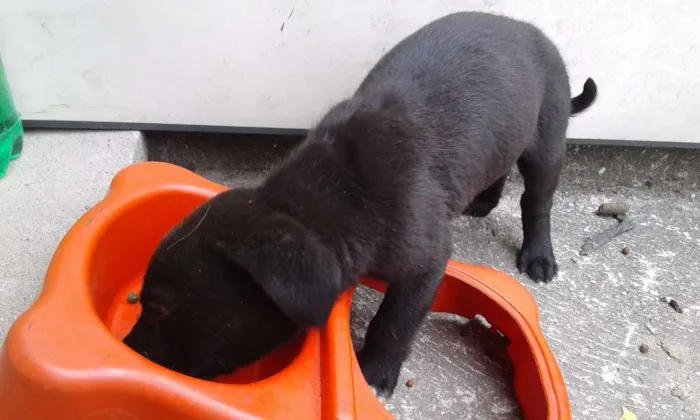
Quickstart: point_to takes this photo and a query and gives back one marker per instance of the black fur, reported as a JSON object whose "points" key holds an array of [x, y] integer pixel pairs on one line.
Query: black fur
{"points": [[431, 133], [586, 98]]}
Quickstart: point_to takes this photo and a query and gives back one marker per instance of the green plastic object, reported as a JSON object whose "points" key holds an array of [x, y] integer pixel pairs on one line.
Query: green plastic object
{"points": [[11, 132]]}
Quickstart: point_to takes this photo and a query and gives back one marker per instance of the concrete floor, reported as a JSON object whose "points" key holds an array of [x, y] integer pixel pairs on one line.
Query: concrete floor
{"points": [[57, 178], [595, 314]]}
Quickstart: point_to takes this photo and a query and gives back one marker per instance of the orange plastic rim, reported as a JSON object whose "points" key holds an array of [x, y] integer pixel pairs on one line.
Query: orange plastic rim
{"points": [[63, 358]]}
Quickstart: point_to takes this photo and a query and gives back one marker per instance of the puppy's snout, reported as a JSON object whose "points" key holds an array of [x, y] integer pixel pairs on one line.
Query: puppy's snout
{"points": [[134, 340]]}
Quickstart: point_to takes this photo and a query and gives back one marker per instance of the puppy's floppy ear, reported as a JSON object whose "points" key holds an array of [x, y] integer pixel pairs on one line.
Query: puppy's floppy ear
{"points": [[295, 269]]}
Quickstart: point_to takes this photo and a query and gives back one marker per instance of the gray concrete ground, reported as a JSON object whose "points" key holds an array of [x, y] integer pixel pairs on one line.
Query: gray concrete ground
{"points": [[595, 315], [56, 179]]}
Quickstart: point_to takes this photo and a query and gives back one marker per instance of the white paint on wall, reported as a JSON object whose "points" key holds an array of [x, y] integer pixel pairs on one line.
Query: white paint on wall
{"points": [[282, 63]]}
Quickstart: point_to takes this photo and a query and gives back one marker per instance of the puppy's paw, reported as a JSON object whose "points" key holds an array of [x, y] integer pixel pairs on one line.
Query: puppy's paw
{"points": [[382, 399], [539, 266], [381, 375]]}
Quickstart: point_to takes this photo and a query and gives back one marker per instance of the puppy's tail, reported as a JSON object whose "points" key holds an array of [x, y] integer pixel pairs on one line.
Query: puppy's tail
{"points": [[581, 102]]}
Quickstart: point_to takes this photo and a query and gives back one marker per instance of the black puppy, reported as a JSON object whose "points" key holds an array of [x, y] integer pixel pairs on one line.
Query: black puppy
{"points": [[430, 134]]}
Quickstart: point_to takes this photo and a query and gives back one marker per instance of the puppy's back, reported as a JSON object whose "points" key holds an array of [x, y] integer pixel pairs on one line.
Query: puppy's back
{"points": [[475, 82], [465, 50]]}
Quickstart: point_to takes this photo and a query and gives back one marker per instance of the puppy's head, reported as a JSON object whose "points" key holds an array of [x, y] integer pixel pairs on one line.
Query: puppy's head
{"points": [[234, 281]]}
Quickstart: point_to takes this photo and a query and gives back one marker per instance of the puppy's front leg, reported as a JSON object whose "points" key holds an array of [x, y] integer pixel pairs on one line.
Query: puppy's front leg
{"points": [[391, 332]]}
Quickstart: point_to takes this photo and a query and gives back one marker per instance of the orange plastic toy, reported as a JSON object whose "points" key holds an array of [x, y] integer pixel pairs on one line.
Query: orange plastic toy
{"points": [[63, 358]]}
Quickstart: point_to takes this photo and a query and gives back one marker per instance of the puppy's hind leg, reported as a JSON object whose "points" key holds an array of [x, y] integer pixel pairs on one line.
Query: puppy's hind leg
{"points": [[540, 166], [487, 200]]}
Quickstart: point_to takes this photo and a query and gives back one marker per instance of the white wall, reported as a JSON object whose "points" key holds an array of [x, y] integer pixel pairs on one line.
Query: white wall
{"points": [[223, 62]]}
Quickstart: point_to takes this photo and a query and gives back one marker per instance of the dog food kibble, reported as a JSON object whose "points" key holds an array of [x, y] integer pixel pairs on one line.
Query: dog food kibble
{"points": [[676, 306], [626, 250], [132, 298], [644, 349], [673, 303], [409, 383]]}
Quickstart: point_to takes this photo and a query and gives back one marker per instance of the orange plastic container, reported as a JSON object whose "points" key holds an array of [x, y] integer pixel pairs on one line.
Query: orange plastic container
{"points": [[63, 358]]}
